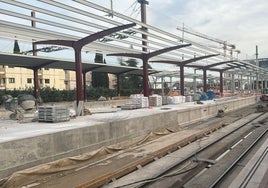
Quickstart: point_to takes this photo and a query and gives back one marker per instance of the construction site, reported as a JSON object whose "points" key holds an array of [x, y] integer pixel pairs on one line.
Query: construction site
{"points": [[199, 120]]}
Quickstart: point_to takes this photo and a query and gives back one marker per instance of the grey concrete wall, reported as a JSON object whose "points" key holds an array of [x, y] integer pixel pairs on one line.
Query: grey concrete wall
{"points": [[28, 152], [210, 110]]}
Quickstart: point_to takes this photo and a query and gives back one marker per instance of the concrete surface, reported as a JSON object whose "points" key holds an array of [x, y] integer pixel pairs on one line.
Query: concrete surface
{"points": [[24, 145]]}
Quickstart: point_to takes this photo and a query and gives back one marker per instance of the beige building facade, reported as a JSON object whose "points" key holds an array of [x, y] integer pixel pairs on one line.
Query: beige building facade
{"points": [[22, 78]]}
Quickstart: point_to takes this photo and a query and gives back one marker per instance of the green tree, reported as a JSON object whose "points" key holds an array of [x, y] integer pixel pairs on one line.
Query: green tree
{"points": [[100, 79], [130, 83], [16, 49]]}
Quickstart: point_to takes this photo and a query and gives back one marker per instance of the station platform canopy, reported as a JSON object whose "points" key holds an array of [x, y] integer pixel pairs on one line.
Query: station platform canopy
{"points": [[57, 20], [36, 62]]}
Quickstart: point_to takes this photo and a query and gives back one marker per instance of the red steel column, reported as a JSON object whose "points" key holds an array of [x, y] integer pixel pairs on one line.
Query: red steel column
{"points": [[118, 84], [35, 71], [221, 83], [36, 84], [77, 46], [182, 79], [205, 89], [78, 67], [144, 49], [85, 85]]}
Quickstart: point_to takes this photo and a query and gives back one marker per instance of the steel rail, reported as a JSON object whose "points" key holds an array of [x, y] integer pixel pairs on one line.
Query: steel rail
{"points": [[239, 158], [254, 168], [203, 180], [162, 173]]}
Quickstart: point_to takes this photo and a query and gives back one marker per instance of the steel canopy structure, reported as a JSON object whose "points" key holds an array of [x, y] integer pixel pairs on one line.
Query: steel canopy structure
{"points": [[97, 21], [77, 46], [209, 67], [157, 38], [33, 62], [182, 64], [145, 58], [37, 62], [58, 20]]}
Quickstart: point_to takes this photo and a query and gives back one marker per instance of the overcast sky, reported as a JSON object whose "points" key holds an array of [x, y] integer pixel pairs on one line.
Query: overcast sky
{"points": [[240, 22]]}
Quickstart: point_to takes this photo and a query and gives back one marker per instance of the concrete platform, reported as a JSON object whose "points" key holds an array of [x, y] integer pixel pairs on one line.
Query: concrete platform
{"points": [[24, 145]]}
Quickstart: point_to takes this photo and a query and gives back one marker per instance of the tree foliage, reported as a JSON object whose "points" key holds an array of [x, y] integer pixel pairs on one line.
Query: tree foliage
{"points": [[55, 95], [95, 93], [16, 49], [130, 83], [100, 79]]}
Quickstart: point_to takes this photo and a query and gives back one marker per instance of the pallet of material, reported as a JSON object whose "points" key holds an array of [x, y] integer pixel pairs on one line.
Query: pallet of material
{"points": [[189, 98], [176, 99], [155, 100], [139, 99], [130, 106], [164, 100], [53, 114]]}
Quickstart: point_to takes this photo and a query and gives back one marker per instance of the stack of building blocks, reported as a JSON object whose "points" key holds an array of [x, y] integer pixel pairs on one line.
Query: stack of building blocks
{"points": [[155, 100], [53, 113], [189, 98], [139, 99], [176, 99]]}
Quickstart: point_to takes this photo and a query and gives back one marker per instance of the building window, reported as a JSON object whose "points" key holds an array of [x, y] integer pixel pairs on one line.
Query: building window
{"points": [[11, 80], [46, 81], [10, 66], [29, 80], [41, 81], [46, 68]]}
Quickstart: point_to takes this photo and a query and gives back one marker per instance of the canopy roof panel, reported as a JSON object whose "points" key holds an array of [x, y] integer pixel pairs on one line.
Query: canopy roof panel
{"points": [[36, 62]]}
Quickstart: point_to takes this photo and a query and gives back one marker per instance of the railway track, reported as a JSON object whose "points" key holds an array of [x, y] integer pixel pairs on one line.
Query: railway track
{"points": [[211, 161], [213, 174], [253, 175]]}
